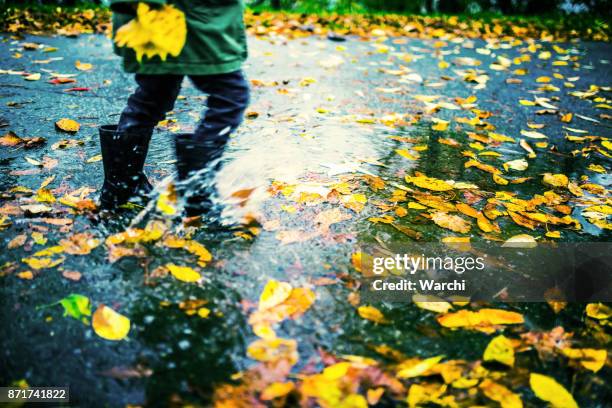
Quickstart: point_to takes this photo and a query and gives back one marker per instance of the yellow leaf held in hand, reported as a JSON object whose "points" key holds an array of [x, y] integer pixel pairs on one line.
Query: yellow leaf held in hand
{"points": [[274, 293], [68, 125], [371, 313], [154, 32], [549, 390], [500, 349], [109, 324], [183, 273]]}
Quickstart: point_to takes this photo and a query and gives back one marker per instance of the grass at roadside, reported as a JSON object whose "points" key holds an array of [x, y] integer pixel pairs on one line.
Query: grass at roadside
{"points": [[89, 18]]}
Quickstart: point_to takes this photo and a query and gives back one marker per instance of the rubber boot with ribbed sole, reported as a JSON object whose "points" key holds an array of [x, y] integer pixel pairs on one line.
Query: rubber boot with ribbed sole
{"points": [[123, 157]]}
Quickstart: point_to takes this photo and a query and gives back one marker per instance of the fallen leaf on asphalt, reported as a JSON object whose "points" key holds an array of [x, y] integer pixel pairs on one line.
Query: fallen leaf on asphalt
{"points": [[68, 125], [109, 324]]}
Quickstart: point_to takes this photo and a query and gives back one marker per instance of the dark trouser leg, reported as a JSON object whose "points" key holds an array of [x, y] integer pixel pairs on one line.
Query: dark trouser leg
{"points": [[228, 98], [124, 147], [148, 105]]}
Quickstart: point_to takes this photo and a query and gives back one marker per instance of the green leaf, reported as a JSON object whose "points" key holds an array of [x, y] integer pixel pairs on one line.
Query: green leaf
{"points": [[76, 306]]}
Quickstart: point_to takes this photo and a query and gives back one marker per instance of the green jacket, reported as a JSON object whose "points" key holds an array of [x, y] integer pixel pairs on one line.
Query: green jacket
{"points": [[216, 40]]}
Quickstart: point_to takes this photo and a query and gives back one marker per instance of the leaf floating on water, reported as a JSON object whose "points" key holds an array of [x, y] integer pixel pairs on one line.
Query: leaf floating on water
{"points": [[451, 222], [555, 180], [274, 293], [412, 368], [521, 241], [76, 306], [276, 390], [273, 350], [501, 394], [548, 389], [482, 319], [183, 273], [429, 183], [83, 66], [591, 359], [598, 311], [371, 313], [500, 349], [109, 324], [518, 165], [431, 303]]}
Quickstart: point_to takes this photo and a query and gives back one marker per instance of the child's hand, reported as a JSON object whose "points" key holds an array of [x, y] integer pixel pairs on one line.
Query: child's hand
{"points": [[154, 32]]}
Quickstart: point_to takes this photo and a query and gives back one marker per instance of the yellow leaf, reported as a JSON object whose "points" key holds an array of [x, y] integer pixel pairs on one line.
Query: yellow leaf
{"points": [[167, 200], [518, 165], [549, 390], [94, 159], [183, 273], [416, 206], [429, 183], [411, 368], [555, 180], [32, 77], [276, 390], [440, 125], [371, 313], [500, 349], [431, 303], [482, 317], [521, 241], [529, 149], [598, 311], [597, 168], [500, 394], [533, 134], [273, 350], [274, 293], [154, 32], [499, 180], [83, 66], [405, 153], [451, 222], [68, 125], [109, 324], [591, 359]]}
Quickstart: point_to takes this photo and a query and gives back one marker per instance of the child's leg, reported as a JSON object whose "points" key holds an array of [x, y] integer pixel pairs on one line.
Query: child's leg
{"points": [[153, 98], [228, 98], [124, 146]]}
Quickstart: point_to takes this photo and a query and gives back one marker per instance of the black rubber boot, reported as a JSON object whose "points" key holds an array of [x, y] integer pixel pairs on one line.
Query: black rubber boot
{"points": [[197, 163], [123, 156]]}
